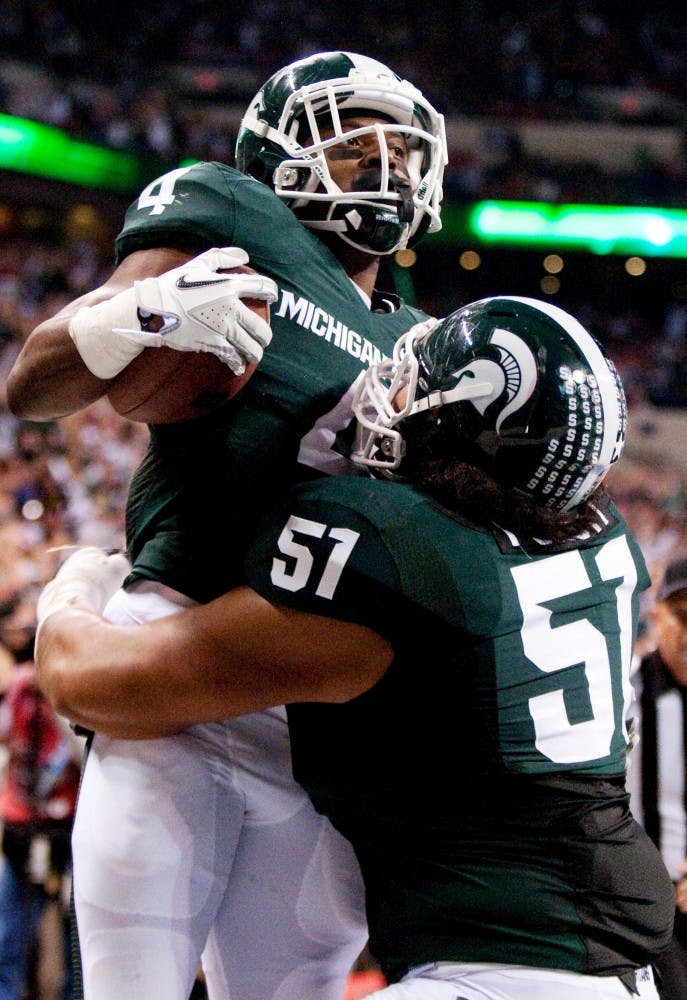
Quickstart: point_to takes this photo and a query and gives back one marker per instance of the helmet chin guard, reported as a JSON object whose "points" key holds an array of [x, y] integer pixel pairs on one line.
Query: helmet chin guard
{"points": [[519, 388], [378, 226], [280, 143]]}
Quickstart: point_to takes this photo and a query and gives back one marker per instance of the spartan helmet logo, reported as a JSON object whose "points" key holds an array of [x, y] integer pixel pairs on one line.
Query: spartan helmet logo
{"points": [[515, 372]]}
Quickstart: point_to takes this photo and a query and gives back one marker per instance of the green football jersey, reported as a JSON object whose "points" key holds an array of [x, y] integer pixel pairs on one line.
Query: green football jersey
{"points": [[196, 494], [482, 780]]}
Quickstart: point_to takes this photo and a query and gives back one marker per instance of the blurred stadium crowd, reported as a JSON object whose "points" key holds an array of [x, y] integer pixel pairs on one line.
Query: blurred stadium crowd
{"points": [[164, 85]]}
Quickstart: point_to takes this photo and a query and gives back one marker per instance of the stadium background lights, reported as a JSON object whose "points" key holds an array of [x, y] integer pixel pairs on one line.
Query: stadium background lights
{"points": [[550, 284], [405, 258], [32, 148], [35, 217], [470, 260], [635, 266], [33, 510], [599, 229], [553, 264]]}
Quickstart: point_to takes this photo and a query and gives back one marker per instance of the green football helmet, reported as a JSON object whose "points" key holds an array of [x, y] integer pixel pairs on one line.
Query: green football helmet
{"points": [[280, 143], [515, 386]]}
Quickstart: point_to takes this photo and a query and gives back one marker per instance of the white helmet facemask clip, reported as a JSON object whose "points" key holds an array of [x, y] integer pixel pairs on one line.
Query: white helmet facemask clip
{"points": [[387, 395]]}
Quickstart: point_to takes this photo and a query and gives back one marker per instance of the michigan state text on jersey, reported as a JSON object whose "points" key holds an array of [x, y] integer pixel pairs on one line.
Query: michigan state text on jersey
{"points": [[324, 336]]}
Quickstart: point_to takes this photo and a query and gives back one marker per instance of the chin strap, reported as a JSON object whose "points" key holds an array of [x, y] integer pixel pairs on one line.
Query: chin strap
{"points": [[356, 228], [437, 398]]}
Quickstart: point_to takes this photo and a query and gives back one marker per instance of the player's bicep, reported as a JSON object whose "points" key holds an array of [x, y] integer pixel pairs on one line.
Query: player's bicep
{"points": [[261, 654], [234, 656]]}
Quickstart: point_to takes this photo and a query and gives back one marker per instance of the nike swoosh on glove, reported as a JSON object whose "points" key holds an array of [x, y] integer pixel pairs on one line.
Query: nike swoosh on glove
{"points": [[200, 308]]}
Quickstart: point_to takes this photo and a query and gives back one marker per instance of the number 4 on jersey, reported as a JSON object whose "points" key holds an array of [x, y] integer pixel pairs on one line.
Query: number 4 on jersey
{"points": [[159, 194]]}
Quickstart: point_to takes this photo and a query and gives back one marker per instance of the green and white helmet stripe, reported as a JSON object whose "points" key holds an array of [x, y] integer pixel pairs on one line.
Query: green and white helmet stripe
{"points": [[608, 442], [528, 395]]}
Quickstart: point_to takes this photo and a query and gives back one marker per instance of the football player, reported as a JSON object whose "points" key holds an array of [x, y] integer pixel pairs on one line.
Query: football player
{"points": [[205, 840], [454, 649]]}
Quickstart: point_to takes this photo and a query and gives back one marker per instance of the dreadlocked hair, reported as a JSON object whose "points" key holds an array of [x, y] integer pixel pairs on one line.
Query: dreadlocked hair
{"points": [[469, 491]]}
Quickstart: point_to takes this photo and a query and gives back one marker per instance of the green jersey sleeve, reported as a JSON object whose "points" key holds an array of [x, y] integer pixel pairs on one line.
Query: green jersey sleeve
{"points": [[320, 555], [201, 206]]}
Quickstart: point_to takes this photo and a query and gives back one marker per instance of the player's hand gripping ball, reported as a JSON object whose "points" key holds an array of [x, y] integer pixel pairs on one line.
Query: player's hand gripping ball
{"points": [[172, 384]]}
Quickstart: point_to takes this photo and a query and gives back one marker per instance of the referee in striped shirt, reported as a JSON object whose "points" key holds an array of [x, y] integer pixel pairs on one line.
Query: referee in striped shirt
{"points": [[657, 778]]}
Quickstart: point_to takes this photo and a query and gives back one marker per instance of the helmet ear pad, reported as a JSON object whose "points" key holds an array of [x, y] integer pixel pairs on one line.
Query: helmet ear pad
{"points": [[430, 436], [290, 178], [455, 433]]}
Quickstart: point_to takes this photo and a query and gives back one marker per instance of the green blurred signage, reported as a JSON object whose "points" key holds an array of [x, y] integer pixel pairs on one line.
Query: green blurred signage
{"points": [[600, 229], [31, 148]]}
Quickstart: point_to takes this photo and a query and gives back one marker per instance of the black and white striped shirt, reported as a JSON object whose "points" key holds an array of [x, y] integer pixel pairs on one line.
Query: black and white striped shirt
{"points": [[657, 771]]}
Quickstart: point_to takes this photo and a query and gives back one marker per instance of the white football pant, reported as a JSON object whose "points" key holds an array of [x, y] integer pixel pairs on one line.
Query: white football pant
{"points": [[203, 843], [448, 981]]}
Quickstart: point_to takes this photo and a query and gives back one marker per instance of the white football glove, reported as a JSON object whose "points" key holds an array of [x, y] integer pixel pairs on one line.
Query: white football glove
{"points": [[201, 310], [86, 580]]}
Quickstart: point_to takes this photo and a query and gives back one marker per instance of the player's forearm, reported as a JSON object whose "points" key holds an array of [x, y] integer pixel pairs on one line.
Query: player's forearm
{"points": [[134, 682], [49, 379], [95, 675], [235, 656]]}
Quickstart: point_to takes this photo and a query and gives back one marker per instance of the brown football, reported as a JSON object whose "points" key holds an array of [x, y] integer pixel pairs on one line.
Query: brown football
{"points": [[164, 386]]}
